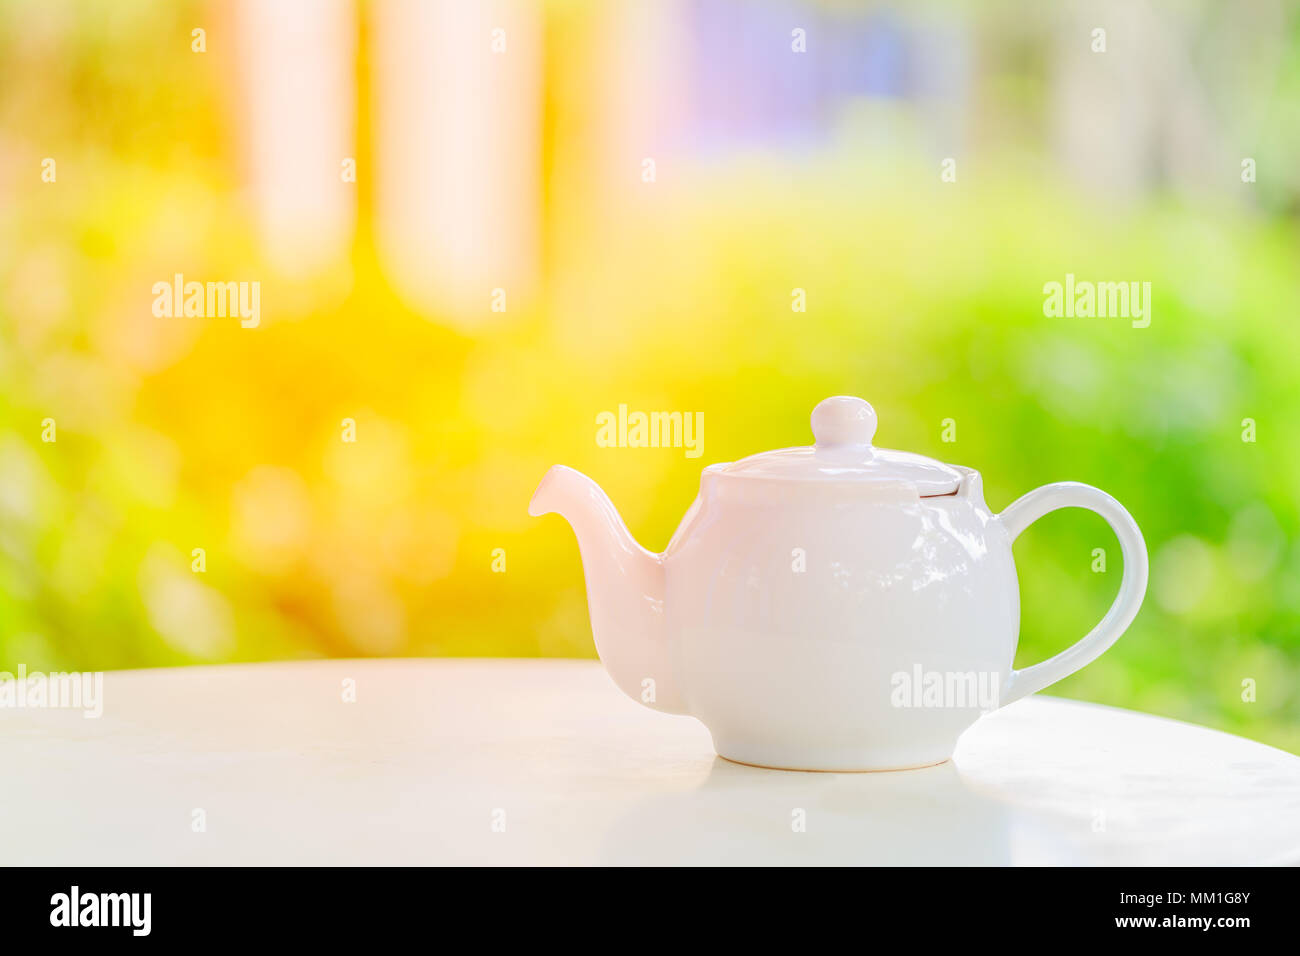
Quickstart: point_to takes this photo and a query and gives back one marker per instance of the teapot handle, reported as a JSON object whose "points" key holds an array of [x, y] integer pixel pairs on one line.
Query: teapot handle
{"points": [[1023, 512]]}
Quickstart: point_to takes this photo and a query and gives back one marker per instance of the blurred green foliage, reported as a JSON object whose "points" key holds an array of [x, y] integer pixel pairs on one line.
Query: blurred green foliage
{"points": [[926, 298]]}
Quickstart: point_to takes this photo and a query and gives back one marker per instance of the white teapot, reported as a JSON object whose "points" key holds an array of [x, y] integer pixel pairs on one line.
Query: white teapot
{"points": [[835, 607]]}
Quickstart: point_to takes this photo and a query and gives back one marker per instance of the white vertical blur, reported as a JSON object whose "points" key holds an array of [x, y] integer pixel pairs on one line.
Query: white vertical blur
{"points": [[458, 150], [1140, 116], [298, 69], [644, 62]]}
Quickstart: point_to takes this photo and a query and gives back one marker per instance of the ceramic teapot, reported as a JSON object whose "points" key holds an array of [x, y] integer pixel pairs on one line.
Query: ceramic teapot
{"points": [[833, 607]]}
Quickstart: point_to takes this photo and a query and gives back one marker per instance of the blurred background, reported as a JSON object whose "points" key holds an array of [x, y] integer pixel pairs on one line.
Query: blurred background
{"points": [[478, 225]]}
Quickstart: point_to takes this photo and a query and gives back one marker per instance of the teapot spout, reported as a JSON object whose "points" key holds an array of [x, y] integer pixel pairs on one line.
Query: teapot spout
{"points": [[625, 588]]}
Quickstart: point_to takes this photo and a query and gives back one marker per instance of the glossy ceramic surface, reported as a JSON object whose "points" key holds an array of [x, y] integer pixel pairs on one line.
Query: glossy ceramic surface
{"points": [[837, 607]]}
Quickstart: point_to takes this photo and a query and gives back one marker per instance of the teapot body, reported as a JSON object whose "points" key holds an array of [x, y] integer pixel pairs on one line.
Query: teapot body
{"points": [[833, 607], [839, 631]]}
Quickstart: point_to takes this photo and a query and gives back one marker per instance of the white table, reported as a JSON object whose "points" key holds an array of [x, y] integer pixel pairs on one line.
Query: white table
{"points": [[432, 753]]}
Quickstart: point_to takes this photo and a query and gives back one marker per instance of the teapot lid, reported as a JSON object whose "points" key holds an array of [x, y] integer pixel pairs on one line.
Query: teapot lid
{"points": [[843, 427]]}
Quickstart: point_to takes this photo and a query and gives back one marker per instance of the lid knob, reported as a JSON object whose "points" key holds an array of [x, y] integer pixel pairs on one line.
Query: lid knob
{"points": [[843, 420]]}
